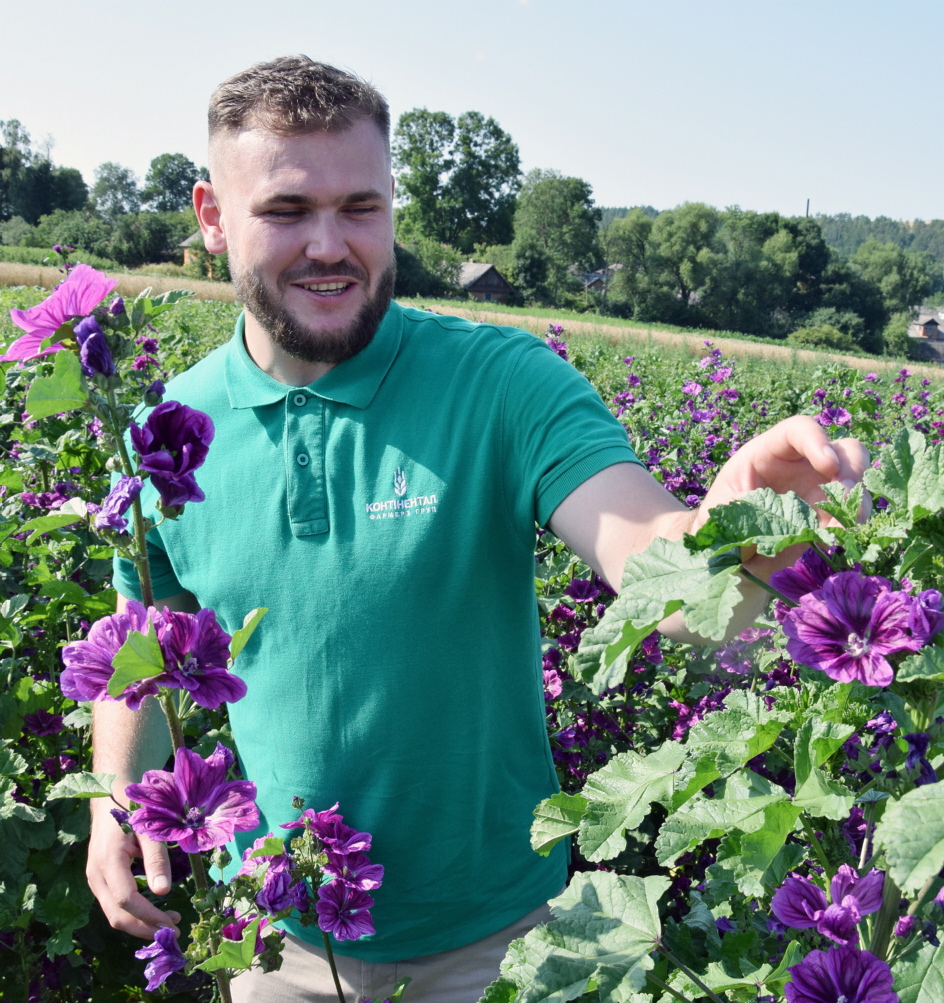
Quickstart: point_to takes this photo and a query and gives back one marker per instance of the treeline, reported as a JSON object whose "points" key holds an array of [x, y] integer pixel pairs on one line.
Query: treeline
{"points": [[463, 198], [117, 219]]}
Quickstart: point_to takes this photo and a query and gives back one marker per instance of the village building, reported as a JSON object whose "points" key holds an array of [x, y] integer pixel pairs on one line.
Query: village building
{"points": [[484, 282]]}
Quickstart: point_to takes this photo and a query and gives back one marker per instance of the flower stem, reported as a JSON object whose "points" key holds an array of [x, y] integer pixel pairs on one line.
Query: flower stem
{"points": [[334, 970], [687, 972], [766, 586], [818, 849], [667, 988], [886, 918]]}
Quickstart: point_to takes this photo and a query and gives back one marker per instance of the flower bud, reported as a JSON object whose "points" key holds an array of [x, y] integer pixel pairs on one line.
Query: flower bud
{"points": [[117, 307]]}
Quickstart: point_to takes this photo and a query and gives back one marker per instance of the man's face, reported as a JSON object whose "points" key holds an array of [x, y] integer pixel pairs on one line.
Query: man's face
{"points": [[308, 224]]}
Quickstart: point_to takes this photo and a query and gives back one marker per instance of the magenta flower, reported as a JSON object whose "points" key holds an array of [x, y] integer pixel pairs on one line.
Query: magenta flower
{"points": [[582, 590], [805, 576], [117, 503], [277, 862], [321, 823], [195, 806], [166, 957], [842, 973], [196, 650], [834, 416], [344, 911], [354, 870], [801, 904], [926, 618], [88, 665], [173, 444], [279, 892], [848, 627], [94, 353], [234, 930], [83, 289]]}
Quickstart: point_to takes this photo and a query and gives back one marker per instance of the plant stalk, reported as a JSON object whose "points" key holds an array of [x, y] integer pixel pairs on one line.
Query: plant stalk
{"points": [[667, 988], [885, 919], [334, 970], [766, 586], [686, 972], [818, 849]]}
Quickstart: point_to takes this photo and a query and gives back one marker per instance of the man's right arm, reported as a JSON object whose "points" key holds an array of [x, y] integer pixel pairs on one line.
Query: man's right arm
{"points": [[128, 743]]}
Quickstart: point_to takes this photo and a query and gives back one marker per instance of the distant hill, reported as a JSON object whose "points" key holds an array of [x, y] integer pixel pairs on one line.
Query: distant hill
{"points": [[610, 213], [847, 233]]}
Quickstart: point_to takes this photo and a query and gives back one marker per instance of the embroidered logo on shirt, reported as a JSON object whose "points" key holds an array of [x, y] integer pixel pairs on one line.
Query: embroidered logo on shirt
{"points": [[397, 508]]}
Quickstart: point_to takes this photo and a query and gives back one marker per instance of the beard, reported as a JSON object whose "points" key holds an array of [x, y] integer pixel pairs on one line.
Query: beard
{"points": [[290, 334]]}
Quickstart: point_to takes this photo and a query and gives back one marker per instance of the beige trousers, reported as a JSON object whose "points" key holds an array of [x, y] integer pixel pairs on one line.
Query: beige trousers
{"points": [[458, 976]]}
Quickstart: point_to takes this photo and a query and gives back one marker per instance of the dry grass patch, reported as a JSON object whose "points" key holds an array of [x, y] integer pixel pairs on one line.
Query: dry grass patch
{"points": [[15, 274]]}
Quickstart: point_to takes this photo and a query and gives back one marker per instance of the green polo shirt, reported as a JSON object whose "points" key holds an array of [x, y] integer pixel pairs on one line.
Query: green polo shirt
{"points": [[385, 515]]}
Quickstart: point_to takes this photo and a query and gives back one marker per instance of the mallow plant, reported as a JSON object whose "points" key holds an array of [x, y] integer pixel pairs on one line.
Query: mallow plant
{"points": [[787, 840], [103, 360]]}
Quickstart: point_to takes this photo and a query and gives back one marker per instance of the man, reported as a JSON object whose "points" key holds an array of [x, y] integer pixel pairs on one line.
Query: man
{"points": [[375, 481]]}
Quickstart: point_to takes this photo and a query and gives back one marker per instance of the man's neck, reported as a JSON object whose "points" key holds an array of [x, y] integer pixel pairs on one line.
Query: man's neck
{"points": [[277, 363]]}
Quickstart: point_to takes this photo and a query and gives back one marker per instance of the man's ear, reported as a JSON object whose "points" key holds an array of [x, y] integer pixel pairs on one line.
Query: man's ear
{"points": [[209, 217]]}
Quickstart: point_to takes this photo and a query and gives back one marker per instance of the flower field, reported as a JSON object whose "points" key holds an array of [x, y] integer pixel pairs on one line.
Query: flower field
{"points": [[757, 818]]}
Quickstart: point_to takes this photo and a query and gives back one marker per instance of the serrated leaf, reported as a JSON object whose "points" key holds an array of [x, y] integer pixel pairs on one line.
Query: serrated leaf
{"points": [[554, 819], [241, 636], [926, 665], [919, 978], [842, 506], [140, 657], [619, 795], [709, 610], [83, 785], [816, 742], [12, 764], [604, 930], [234, 954], [740, 809], [758, 850], [912, 834], [732, 736], [694, 775], [62, 391], [272, 846], [762, 518], [503, 990], [910, 475]]}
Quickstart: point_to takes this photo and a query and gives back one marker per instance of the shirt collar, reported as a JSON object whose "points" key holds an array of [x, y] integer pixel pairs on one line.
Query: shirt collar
{"points": [[353, 382]]}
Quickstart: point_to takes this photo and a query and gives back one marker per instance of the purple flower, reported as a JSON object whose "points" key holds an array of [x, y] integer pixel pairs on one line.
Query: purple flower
{"points": [[166, 957], [234, 930], [117, 307], [834, 416], [88, 665], [904, 926], [553, 684], [691, 388], [83, 289], [842, 973], [276, 862], [582, 590], [848, 627], [354, 870], [801, 904], [196, 650], [173, 444], [559, 347], [805, 576], [195, 806], [321, 823], [148, 345], [41, 722], [280, 892], [926, 619], [918, 744], [344, 911], [94, 353], [156, 389], [117, 503]]}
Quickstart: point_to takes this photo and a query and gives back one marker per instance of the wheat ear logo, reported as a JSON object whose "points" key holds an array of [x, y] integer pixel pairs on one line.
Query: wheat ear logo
{"points": [[399, 483]]}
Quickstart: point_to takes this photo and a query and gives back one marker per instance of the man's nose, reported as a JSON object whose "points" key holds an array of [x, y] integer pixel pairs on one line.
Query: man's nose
{"points": [[326, 240]]}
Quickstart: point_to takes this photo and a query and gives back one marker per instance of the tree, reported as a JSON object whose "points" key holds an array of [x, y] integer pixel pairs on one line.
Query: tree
{"points": [[557, 214], [459, 177], [903, 278], [115, 191], [168, 186]]}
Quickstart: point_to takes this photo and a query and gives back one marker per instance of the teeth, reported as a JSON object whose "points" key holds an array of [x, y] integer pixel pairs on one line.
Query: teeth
{"points": [[326, 287]]}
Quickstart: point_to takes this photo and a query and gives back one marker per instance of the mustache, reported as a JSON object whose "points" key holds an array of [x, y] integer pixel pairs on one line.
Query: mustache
{"points": [[317, 270]]}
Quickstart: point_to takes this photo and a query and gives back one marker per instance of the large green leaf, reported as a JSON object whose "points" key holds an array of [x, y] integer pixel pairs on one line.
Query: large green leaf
{"points": [[926, 665], [707, 612], [44, 524], [619, 795], [743, 730], [816, 742], [234, 954], [554, 819], [763, 518], [604, 931], [83, 785], [912, 834], [62, 391], [741, 809], [753, 864], [910, 475], [919, 978], [140, 657]]}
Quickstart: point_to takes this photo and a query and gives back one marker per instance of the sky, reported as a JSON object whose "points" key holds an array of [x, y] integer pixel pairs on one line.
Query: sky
{"points": [[758, 103]]}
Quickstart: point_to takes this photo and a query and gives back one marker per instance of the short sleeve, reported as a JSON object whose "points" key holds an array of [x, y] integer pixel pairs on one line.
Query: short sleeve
{"points": [[557, 433], [163, 580]]}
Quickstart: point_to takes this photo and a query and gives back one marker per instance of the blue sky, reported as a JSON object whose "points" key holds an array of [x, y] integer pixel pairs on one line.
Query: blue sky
{"points": [[762, 103]]}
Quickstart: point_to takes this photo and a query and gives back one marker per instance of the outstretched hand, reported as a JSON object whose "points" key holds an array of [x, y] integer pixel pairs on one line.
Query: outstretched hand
{"points": [[795, 455]]}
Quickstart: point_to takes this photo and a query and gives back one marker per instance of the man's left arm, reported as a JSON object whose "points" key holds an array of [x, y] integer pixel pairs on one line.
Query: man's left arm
{"points": [[622, 509]]}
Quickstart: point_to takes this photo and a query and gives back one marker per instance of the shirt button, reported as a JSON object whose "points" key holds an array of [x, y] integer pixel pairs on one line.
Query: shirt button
{"points": [[299, 400], [302, 459]]}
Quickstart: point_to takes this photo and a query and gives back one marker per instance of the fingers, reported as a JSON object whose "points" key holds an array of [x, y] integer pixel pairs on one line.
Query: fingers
{"points": [[802, 438], [112, 883]]}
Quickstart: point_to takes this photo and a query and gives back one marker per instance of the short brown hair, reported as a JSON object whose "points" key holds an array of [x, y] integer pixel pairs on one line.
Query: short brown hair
{"points": [[294, 94]]}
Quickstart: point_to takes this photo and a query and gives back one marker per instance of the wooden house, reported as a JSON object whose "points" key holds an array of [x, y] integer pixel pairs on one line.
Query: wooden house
{"points": [[484, 282]]}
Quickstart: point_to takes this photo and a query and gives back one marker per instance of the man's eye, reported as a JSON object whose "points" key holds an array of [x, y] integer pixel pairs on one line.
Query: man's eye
{"points": [[283, 214], [361, 210]]}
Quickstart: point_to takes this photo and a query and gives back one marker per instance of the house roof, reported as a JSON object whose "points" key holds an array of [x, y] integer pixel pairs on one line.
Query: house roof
{"points": [[194, 240], [927, 318], [471, 272]]}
